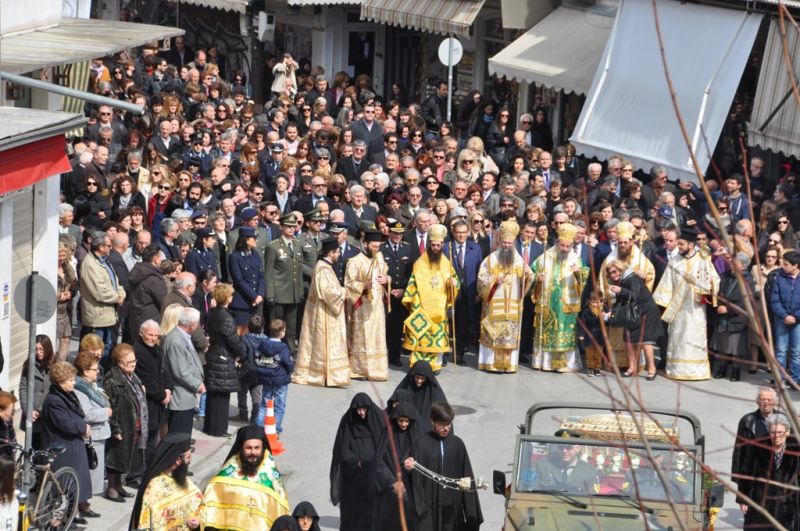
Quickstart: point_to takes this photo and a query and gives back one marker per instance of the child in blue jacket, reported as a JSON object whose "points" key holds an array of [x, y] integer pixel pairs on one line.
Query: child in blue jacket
{"points": [[274, 362]]}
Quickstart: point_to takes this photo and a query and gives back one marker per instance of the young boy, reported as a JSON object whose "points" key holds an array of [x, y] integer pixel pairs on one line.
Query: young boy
{"points": [[275, 365]]}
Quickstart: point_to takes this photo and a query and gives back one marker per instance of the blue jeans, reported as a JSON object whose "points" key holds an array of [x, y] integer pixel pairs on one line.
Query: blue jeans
{"points": [[787, 338], [278, 394]]}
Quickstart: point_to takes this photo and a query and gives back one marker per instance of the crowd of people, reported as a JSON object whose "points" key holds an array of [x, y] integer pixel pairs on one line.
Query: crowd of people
{"points": [[207, 249]]}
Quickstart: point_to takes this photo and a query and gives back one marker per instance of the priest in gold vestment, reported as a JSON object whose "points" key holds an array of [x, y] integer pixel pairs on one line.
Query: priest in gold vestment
{"points": [[503, 281], [629, 254], [322, 354], [368, 285], [430, 293], [248, 493]]}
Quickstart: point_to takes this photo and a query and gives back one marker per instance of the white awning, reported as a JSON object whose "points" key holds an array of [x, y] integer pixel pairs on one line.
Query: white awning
{"points": [[72, 40], [324, 2], [629, 109], [240, 6], [561, 52], [781, 133], [435, 16]]}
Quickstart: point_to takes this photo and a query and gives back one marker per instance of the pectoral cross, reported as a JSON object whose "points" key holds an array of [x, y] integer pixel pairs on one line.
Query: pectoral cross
{"points": [[251, 504], [435, 282]]}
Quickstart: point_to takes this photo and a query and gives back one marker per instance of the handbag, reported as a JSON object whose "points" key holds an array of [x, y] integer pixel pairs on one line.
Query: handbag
{"points": [[91, 454], [628, 315]]}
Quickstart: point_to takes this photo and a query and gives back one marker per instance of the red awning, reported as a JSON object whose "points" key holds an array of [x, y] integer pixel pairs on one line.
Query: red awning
{"points": [[28, 164]]}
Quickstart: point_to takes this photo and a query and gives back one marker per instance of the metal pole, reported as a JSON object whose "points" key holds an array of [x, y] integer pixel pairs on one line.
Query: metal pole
{"points": [[449, 77], [67, 91], [31, 318]]}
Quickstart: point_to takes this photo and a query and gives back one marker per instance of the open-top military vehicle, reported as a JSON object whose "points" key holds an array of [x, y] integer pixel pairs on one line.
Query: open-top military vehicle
{"points": [[582, 466]]}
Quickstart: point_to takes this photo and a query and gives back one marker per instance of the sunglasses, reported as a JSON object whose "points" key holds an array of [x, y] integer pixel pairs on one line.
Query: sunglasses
{"points": [[323, 158], [91, 183], [164, 187], [467, 161], [526, 122]]}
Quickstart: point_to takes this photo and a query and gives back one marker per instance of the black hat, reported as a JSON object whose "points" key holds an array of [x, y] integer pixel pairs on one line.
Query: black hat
{"points": [[276, 147], [194, 160], [247, 232], [248, 214], [199, 213], [371, 235], [204, 232], [337, 226], [329, 244], [197, 138], [689, 234]]}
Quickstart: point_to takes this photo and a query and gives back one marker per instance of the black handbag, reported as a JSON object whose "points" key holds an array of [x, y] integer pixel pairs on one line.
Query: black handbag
{"points": [[91, 454], [628, 315]]}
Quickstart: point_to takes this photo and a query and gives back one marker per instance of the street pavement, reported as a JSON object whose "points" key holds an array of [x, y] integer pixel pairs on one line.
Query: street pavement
{"points": [[489, 408]]}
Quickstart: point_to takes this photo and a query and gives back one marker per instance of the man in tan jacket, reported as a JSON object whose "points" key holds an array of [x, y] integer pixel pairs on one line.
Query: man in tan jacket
{"points": [[101, 293]]}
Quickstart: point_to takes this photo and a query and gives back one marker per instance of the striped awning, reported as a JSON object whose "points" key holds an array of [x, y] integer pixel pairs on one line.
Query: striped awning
{"points": [[446, 17], [71, 40], [240, 6], [74, 76], [775, 121]]}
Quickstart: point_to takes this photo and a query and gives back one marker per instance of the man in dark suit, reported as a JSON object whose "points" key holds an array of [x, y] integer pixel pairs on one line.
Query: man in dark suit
{"points": [[182, 365], [179, 54], [466, 258], [319, 189], [397, 254], [353, 166], [166, 144], [358, 210], [418, 236], [529, 249], [583, 249], [347, 250], [370, 131], [119, 244]]}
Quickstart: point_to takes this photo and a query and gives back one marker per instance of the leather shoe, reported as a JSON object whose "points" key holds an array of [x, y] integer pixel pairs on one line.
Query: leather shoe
{"points": [[461, 361], [117, 498], [88, 513], [126, 494], [80, 520], [133, 483]]}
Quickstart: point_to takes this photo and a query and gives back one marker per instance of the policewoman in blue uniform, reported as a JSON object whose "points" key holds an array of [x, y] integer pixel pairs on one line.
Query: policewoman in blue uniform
{"points": [[247, 276], [202, 257]]}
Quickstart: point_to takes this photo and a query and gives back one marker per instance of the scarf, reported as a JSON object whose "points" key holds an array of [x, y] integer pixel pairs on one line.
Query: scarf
{"points": [[95, 395], [140, 435], [70, 399]]}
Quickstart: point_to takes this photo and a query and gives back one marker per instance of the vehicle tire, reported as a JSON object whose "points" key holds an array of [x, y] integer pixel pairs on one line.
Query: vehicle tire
{"points": [[58, 509]]}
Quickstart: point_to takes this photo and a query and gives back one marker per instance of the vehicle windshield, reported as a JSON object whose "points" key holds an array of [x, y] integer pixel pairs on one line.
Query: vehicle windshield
{"points": [[597, 469]]}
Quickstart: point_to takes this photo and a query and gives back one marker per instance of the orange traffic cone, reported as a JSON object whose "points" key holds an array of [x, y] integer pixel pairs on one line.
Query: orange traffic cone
{"points": [[271, 433]]}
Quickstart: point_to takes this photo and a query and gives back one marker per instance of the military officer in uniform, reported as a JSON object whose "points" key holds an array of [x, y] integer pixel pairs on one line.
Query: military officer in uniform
{"points": [[347, 250], [564, 470], [250, 219], [313, 229], [397, 254], [283, 272], [202, 256]]}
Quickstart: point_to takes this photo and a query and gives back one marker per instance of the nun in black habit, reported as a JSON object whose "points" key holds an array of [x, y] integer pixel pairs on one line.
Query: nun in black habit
{"points": [[355, 456], [285, 523], [425, 389], [306, 510], [440, 450], [406, 427]]}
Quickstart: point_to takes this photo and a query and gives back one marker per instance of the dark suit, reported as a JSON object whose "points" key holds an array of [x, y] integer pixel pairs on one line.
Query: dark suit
{"points": [[305, 204], [535, 249], [351, 169], [368, 213], [123, 277], [467, 310], [399, 263], [340, 266], [373, 137], [412, 238], [174, 148], [586, 253]]}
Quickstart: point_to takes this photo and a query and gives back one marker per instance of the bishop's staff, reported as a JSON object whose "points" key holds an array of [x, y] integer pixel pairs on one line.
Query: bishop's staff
{"points": [[454, 291]]}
